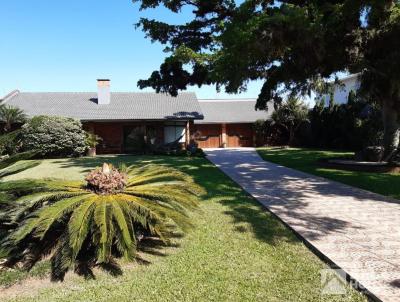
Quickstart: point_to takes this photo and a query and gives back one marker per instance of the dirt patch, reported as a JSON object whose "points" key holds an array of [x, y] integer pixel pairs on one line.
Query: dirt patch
{"points": [[26, 288]]}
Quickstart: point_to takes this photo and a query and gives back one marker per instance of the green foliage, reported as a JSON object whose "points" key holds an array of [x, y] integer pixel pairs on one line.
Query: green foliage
{"points": [[350, 126], [10, 115], [198, 153], [9, 166], [291, 46], [92, 140], [290, 115], [54, 136], [10, 143], [259, 127], [81, 228]]}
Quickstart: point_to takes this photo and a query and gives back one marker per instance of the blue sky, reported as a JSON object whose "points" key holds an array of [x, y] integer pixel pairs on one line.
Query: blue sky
{"points": [[52, 45]]}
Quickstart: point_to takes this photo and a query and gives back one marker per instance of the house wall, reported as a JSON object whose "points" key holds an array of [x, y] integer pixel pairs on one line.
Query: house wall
{"points": [[224, 135]]}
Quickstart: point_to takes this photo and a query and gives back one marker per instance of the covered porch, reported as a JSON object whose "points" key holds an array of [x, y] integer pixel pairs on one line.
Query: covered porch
{"points": [[132, 137]]}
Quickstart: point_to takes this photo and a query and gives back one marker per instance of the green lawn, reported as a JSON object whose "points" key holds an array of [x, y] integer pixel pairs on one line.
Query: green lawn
{"points": [[306, 160], [236, 252]]}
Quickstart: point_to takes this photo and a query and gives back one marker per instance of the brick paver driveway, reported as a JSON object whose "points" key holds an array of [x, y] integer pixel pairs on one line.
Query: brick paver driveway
{"points": [[355, 229]]}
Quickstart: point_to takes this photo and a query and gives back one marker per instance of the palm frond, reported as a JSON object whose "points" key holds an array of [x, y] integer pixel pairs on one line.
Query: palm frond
{"points": [[18, 167], [38, 223], [102, 220], [127, 234], [79, 225], [61, 260], [160, 211]]}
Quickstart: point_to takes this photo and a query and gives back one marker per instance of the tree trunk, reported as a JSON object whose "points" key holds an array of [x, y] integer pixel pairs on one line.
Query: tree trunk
{"points": [[391, 128]]}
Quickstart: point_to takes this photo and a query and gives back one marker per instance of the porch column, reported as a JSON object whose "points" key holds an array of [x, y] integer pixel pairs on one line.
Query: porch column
{"points": [[187, 133], [223, 136]]}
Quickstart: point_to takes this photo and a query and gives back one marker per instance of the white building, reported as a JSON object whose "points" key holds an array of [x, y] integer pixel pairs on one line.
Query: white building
{"points": [[341, 91]]}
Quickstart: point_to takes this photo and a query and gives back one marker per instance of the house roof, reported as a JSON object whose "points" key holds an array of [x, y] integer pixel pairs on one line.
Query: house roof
{"points": [[123, 106], [231, 111]]}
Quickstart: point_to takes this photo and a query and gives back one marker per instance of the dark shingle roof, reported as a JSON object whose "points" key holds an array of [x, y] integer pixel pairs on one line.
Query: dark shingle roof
{"points": [[123, 106], [231, 111]]}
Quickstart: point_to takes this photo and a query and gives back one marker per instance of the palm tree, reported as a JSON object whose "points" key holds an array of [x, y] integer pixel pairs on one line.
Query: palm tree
{"points": [[87, 224], [10, 115], [290, 115], [9, 166]]}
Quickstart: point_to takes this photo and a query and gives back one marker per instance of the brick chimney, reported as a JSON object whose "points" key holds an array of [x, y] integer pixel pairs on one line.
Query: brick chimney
{"points": [[103, 92]]}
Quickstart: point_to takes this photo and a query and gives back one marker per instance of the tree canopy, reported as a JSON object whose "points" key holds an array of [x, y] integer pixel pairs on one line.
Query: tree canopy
{"points": [[293, 46]]}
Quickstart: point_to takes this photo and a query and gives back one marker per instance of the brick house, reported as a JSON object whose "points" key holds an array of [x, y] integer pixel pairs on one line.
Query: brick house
{"points": [[119, 118]]}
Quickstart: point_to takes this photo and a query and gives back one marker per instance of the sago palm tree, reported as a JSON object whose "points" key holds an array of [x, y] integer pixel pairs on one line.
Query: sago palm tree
{"points": [[10, 115], [9, 166], [86, 224]]}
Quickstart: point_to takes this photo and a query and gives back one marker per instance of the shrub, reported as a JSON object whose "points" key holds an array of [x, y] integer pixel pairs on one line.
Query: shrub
{"points": [[351, 126], [54, 136], [89, 224]]}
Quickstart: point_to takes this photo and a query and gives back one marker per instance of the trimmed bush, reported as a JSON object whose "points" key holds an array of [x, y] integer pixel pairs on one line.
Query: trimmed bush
{"points": [[53, 136]]}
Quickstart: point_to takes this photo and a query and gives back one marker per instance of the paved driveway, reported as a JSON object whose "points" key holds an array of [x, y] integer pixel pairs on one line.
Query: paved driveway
{"points": [[357, 230]]}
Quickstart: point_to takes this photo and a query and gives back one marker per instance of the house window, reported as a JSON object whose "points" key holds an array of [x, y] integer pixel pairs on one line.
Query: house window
{"points": [[174, 131]]}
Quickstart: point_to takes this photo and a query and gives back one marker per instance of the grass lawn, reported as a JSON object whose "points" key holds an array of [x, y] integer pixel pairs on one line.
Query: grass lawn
{"points": [[306, 160], [236, 252]]}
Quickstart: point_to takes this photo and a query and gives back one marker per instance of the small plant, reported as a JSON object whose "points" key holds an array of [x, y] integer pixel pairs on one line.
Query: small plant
{"points": [[88, 224], [92, 140]]}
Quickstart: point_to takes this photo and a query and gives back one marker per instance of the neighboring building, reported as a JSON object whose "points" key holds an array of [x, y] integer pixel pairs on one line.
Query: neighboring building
{"points": [[120, 118], [228, 123], [341, 92]]}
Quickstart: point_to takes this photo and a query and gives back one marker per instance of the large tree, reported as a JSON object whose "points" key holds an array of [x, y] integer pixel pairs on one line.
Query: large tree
{"points": [[291, 45]]}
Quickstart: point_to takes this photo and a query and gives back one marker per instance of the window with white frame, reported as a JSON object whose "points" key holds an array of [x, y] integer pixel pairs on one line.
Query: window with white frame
{"points": [[174, 131]]}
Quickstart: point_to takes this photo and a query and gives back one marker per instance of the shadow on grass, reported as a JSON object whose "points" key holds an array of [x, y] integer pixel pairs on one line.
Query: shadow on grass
{"points": [[305, 160], [264, 225], [243, 208]]}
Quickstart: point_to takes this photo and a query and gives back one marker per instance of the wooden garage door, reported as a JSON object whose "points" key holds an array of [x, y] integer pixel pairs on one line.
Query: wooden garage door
{"points": [[209, 136], [239, 135]]}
